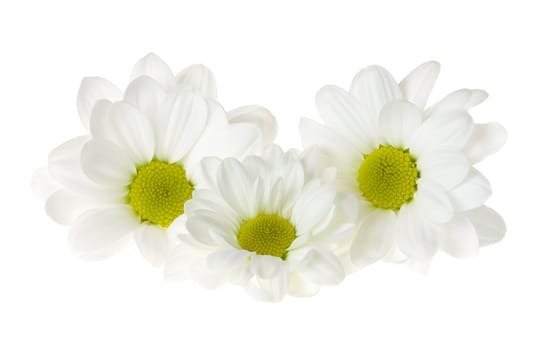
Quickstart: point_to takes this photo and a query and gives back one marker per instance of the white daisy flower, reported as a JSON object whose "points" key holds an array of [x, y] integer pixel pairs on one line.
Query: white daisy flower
{"points": [[141, 162], [411, 167], [270, 224]]}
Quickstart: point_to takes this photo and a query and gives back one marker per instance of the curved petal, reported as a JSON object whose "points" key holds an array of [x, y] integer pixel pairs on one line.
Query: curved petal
{"points": [[417, 85], [270, 289], [42, 183], [463, 99], [93, 89], [64, 206], [322, 267], [432, 202], [153, 66], [227, 259], [471, 193], [145, 94], [414, 237], [236, 187], [343, 113], [374, 239], [311, 212], [488, 224], [64, 165], [458, 238], [98, 233], [486, 139], [259, 116], [132, 131], [106, 164], [445, 129], [447, 168], [266, 266], [374, 86], [100, 120], [179, 122], [398, 121], [153, 243], [200, 78]]}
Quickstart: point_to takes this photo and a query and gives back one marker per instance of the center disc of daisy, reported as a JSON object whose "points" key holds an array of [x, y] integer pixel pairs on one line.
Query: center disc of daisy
{"points": [[158, 192], [387, 177], [267, 235]]}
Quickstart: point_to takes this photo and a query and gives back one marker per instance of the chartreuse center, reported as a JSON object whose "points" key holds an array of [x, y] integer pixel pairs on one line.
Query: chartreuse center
{"points": [[159, 191], [387, 177], [267, 235]]}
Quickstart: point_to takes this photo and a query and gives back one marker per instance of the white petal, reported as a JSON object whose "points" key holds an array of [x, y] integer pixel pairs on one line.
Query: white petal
{"points": [[472, 192], [200, 78], [463, 99], [488, 224], [179, 123], [374, 238], [42, 184], [417, 86], [98, 232], [458, 238], [446, 168], [99, 123], [445, 129], [64, 165], [91, 90], [322, 267], [300, 287], [271, 289], [311, 210], [433, 202], [486, 139], [266, 266], [343, 113], [259, 116], [145, 94], [375, 87], [153, 66], [64, 206], [236, 187], [209, 166], [227, 259], [106, 164], [132, 131], [398, 121], [414, 237], [153, 243]]}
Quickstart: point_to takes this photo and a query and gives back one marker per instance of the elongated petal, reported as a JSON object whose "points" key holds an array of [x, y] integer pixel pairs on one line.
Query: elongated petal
{"points": [[179, 123], [145, 94], [458, 238], [153, 66], [488, 224], [105, 163], [414, 237], [463, 99], [97, 233], [417, 85], [311, 210], [153, 243], [432, 202], [472, 192], [259, 116], [375, 87], [374, 238], [93, 89], [236, 187], [64, 207], [486, 139], [447, 168], [200, 78], [398, 121]]}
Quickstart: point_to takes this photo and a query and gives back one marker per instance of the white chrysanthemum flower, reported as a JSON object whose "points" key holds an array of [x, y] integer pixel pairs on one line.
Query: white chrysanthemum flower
{"points": [[141, 161], [411, 167], [270, 225]]}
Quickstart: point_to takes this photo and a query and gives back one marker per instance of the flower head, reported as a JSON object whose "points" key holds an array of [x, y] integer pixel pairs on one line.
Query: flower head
{"points": [[411, 167], [270, 224]]}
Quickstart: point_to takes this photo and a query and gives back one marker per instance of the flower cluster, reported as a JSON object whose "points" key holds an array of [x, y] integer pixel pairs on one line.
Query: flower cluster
{"points": [[205, 192]]}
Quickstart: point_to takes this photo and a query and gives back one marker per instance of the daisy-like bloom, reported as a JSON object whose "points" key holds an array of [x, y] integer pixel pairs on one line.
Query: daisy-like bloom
{"points": [[140, 162], [269, 224], [411, 167]]}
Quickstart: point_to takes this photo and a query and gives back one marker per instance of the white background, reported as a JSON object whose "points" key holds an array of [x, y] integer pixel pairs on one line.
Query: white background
{"points": [[277, 55]]}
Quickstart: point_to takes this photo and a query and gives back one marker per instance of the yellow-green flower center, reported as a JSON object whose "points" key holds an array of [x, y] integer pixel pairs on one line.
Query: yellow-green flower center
{"points": [[387, 177], [158, 192], [267, 235]]}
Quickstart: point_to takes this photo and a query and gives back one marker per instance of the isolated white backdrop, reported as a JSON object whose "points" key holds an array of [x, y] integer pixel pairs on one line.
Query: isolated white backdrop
{"points": [[278, 55]]}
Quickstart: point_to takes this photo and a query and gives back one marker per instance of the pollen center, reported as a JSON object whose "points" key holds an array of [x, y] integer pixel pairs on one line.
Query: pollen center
{"points": [[267, 235], [158, 192], [387, 177]]}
